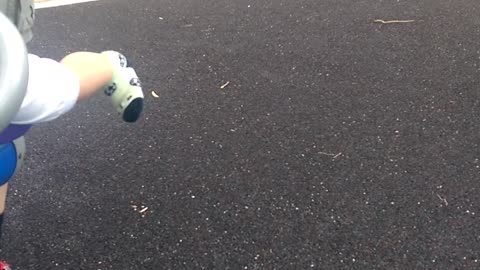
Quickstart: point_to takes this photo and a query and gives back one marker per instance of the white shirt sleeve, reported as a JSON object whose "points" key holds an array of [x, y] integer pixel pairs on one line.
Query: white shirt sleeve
{"points": [[52, 91]]}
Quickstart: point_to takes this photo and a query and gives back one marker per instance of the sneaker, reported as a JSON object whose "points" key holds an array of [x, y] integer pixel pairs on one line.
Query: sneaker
{"points": [[125, 90], [4, 266]]}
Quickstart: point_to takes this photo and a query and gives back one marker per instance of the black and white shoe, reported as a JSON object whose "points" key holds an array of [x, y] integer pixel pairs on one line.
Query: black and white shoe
{"points": [[125, 90]]}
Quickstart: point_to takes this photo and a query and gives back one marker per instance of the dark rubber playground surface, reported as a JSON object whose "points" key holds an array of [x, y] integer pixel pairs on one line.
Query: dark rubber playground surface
{"points": [[339, 143]]}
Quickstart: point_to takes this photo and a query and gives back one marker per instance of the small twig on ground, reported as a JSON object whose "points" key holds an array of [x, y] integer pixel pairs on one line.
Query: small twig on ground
{"points": [[393, 21], [443, 200], [337, 155], [224, 85], [334, 156]]}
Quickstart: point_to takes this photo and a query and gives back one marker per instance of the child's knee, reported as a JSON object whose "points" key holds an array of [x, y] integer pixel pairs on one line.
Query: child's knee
{"points": [[11, 158]]}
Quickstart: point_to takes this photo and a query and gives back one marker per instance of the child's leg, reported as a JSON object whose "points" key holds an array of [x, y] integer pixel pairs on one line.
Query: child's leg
{"points": [[11, 158], [3, 198], [3, 201], [94, 71], [108, 71]]}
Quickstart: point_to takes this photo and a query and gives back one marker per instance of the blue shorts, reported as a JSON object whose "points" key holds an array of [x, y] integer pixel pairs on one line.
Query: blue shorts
{"points": [[11, 157]]}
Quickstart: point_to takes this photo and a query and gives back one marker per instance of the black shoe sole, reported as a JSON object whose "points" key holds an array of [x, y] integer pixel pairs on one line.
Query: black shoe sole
{"points": [[133, 110]]}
